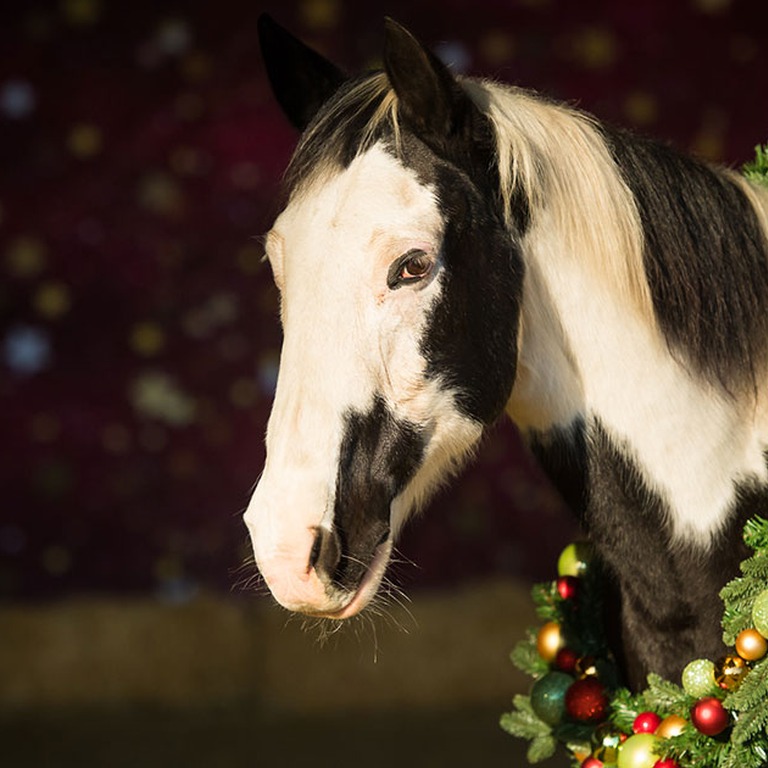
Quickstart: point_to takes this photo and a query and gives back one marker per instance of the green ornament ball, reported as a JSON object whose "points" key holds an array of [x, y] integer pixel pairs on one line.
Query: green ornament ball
{"points": [[548, 696], [760, 613], [699, 678], [574, 559], [638, 751]]}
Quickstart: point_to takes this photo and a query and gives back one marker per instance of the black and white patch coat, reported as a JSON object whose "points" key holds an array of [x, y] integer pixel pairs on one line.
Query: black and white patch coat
{"points": [[453, 250]]}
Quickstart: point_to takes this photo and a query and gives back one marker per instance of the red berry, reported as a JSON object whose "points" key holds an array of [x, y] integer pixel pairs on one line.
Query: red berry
{"points": [[592, 762], [568, 587], [667, 762], [646, 722]]}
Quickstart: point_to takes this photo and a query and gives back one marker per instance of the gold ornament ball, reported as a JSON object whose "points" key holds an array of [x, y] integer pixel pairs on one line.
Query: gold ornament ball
{"points": [[751, 645], [729, 672], [671, 726], [549, 641]]}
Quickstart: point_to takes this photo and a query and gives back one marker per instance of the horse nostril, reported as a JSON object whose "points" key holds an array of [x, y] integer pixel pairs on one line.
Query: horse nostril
{"points": [[326, 553]]}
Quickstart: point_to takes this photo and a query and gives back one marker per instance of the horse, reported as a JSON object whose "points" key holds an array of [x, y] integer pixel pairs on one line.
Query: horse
{"points": [[454, 250]]}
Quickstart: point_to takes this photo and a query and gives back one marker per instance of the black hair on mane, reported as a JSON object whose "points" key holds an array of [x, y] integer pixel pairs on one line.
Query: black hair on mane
{"points": [[706, 257]]}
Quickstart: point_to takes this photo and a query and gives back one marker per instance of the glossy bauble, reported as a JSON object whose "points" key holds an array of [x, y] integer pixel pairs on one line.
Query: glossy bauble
{"points": [[574, 559], [548, 696], [646, 722], [638, 751], [730, 671], [671, 726], [587, 700], [709, 716], [751, 645], [699, 678], [549, 641]]}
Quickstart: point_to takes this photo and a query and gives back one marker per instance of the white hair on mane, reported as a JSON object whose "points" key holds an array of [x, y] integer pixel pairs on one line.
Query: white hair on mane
{"points": [[558, 158]]}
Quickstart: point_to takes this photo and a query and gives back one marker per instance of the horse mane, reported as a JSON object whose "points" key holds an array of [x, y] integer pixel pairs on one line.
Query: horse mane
{"points": [[681, 243]]}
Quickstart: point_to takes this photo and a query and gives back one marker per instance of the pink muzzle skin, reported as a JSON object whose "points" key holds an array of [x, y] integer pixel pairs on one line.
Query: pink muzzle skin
{"points": [[299, 589]]}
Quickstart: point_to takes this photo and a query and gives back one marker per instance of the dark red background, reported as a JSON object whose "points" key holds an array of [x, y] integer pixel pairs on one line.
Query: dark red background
{"points": [[140, 155]]}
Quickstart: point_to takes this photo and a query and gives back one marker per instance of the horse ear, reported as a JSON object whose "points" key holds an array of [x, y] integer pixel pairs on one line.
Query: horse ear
{"points": [[429, 97], [301, 79]]}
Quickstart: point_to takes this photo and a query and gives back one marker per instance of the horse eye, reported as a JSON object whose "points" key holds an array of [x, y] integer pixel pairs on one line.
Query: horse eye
{"points": [[409, 268]]}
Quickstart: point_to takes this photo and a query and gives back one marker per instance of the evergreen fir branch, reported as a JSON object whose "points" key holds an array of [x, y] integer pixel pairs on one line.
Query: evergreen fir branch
{"points": [[625, 707], [756, 528], [523, 722], [738, 596], [546, 601], [756, 567], [692, 748], [743, 757], [541, 748], [665, 697], [525, 656], [750, 723], [757, 170]]}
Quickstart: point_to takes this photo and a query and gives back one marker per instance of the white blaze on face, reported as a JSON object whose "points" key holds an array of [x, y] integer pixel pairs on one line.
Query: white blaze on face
{"points": [[348, 340]]}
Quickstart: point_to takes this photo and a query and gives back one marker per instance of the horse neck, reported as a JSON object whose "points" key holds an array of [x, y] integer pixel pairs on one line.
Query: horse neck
{"points": [[587, 356]]}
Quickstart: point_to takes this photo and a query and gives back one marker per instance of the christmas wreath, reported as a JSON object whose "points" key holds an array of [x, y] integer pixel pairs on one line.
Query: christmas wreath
{"points": [[718, 718]]}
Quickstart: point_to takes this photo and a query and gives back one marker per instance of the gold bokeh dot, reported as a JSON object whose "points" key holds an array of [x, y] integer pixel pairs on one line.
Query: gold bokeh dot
{"points": [[26, 256], [81, 13], [85, 140], [52, 300], [56, 559], [147, 339], [320, 14], [497, 47], [243, 392], [641, 108]]}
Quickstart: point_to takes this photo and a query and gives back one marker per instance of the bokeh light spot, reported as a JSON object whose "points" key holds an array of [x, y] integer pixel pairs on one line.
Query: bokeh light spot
{"points": [[594, 47], [56, 559], [52, 300], [243, 393], [27, 350], [17, 99], [85, 141], [81, 13], [320, 14], [26, 257], [147, 339], [640, 108]]}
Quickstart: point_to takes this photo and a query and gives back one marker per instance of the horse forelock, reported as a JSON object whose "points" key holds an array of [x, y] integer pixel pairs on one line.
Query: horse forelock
{"points": [[361, 112]]}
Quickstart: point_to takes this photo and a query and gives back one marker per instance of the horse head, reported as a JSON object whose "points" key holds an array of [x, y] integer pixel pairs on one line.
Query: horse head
{"points": [[400, 285]]}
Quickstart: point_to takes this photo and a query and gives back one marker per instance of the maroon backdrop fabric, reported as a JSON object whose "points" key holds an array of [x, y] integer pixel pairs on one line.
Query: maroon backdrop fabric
{"points": [[140, 158]]}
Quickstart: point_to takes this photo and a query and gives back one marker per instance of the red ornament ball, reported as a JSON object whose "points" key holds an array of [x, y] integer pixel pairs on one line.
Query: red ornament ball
{"points": [[592, 762], [587, 700], [568, 587], [646, 722], [708, 716], [667, 762], [566, 660]]}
